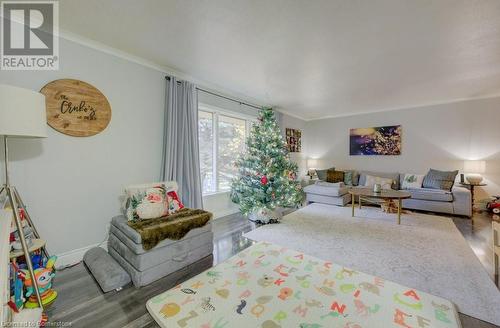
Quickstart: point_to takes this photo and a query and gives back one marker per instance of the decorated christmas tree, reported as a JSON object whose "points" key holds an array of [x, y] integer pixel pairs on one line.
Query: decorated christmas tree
{"points": [[266, 176]]}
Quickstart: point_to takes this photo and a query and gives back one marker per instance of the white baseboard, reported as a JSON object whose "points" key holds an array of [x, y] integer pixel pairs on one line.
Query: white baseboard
{"points": [[75, 256]]}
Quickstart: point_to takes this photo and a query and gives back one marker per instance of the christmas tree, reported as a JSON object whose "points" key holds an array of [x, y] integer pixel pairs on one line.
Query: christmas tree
{"points": [[266, 176]]}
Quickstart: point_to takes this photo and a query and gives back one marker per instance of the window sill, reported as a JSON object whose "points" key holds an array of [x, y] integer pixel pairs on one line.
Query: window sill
{"points": [[208, 194]]}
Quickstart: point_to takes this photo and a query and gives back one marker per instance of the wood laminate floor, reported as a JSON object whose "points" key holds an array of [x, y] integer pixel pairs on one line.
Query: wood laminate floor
{"points": [[83, 304]]}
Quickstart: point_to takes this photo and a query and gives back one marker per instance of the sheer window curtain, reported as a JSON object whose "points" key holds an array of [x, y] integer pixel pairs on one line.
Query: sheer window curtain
{"points": [[180, 155]]}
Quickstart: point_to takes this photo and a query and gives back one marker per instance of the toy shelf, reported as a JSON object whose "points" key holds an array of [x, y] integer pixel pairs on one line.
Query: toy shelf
{"points": [[37, 244]]}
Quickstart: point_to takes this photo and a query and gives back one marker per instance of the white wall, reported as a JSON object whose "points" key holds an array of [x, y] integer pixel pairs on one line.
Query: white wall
{"points": [[72, 185], [439, 136]]}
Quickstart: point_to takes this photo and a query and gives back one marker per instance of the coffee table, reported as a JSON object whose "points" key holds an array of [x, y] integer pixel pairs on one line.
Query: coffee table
{"points": [[386, 195]]}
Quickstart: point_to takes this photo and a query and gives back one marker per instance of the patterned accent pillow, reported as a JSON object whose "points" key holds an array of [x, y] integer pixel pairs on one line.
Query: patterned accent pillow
{"points": [[371, 180], [147, 201], [348, 175], [334, 176], [322, 173], [435, 179], [174, 203], [412, 181]]}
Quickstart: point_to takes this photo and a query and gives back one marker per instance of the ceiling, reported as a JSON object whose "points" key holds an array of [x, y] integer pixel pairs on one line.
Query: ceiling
{"points": [[310, 58]]}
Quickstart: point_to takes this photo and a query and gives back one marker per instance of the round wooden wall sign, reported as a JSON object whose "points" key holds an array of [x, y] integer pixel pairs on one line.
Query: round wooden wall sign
{"points": [[76, 108]]}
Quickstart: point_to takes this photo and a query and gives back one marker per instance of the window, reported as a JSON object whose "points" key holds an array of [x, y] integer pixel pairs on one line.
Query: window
{"points": [[206, 136], [222, 139]]}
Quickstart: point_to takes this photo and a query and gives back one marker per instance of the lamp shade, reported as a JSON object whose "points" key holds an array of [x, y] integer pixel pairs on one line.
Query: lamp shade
{"points": [[312, 163], [474, 166], [22, 113]]}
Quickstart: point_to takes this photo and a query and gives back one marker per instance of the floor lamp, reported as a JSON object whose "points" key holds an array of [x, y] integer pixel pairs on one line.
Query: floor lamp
{"points": [[22, 115]]}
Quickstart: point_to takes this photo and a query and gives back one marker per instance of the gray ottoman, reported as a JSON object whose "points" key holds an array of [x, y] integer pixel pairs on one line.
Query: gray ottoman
{"points": [[327, 195], [144, 267]]}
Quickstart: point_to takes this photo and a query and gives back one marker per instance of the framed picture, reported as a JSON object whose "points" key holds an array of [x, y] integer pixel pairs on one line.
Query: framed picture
{"points": [[293, 140], [382, 140]]}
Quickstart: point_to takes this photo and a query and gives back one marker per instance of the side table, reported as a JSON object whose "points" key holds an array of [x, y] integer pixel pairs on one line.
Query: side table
{"points": [[471, 188]]}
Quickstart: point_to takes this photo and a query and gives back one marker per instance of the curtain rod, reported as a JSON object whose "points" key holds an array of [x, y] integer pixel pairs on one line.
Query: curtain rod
{"points": [[221, 96]]}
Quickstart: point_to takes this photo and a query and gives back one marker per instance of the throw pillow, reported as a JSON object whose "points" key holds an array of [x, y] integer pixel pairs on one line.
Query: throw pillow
{"points": [[334, 176], [348, 178], [395, 177], [435, 179], [322, 173], [384, 182], [147, 201], [353, 175], [412, 181], [174, 203]]}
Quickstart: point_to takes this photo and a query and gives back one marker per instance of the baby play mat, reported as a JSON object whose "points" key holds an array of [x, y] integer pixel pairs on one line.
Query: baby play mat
{"points": [[269, 286]]}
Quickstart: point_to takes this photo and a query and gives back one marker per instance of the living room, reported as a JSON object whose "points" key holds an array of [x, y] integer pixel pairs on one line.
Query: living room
{"points": [[290, 131]]}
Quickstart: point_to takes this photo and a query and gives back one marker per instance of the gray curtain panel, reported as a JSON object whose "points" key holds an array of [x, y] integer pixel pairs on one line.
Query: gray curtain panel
{"points": [[180, 156]]}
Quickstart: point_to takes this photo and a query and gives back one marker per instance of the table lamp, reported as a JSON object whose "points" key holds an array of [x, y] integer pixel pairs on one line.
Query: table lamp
{"points": [[473, 170], [22, 115], [312, 164]]}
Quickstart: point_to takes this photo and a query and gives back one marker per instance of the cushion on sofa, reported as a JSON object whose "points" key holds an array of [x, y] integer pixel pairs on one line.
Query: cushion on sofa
{"points": [[351, 178], [385, 183], [326, 191], [435, 179], [411, 181], [348, 178], [437, 195], [322, 173], [334, 176], [393, 176]]}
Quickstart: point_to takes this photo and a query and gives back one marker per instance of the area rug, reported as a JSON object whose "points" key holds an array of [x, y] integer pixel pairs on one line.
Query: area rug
{"points": [[425, 252], [269, 286]]}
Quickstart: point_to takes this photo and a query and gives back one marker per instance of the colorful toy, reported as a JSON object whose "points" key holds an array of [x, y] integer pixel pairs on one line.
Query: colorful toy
{"points": [[43, 276], [17, 303], [37, 261], [494, 205]]}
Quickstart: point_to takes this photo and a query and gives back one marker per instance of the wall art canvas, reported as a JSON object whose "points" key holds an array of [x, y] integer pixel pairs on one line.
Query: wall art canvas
{"points": [[382, 140], [293, 140]]}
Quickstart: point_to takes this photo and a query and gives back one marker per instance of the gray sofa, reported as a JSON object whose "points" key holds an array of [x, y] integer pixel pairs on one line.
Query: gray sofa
{"points": [[456, 202]]}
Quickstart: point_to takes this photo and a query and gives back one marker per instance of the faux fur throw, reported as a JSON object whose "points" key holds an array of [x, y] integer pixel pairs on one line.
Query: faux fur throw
{"points": [[174, 226]]}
